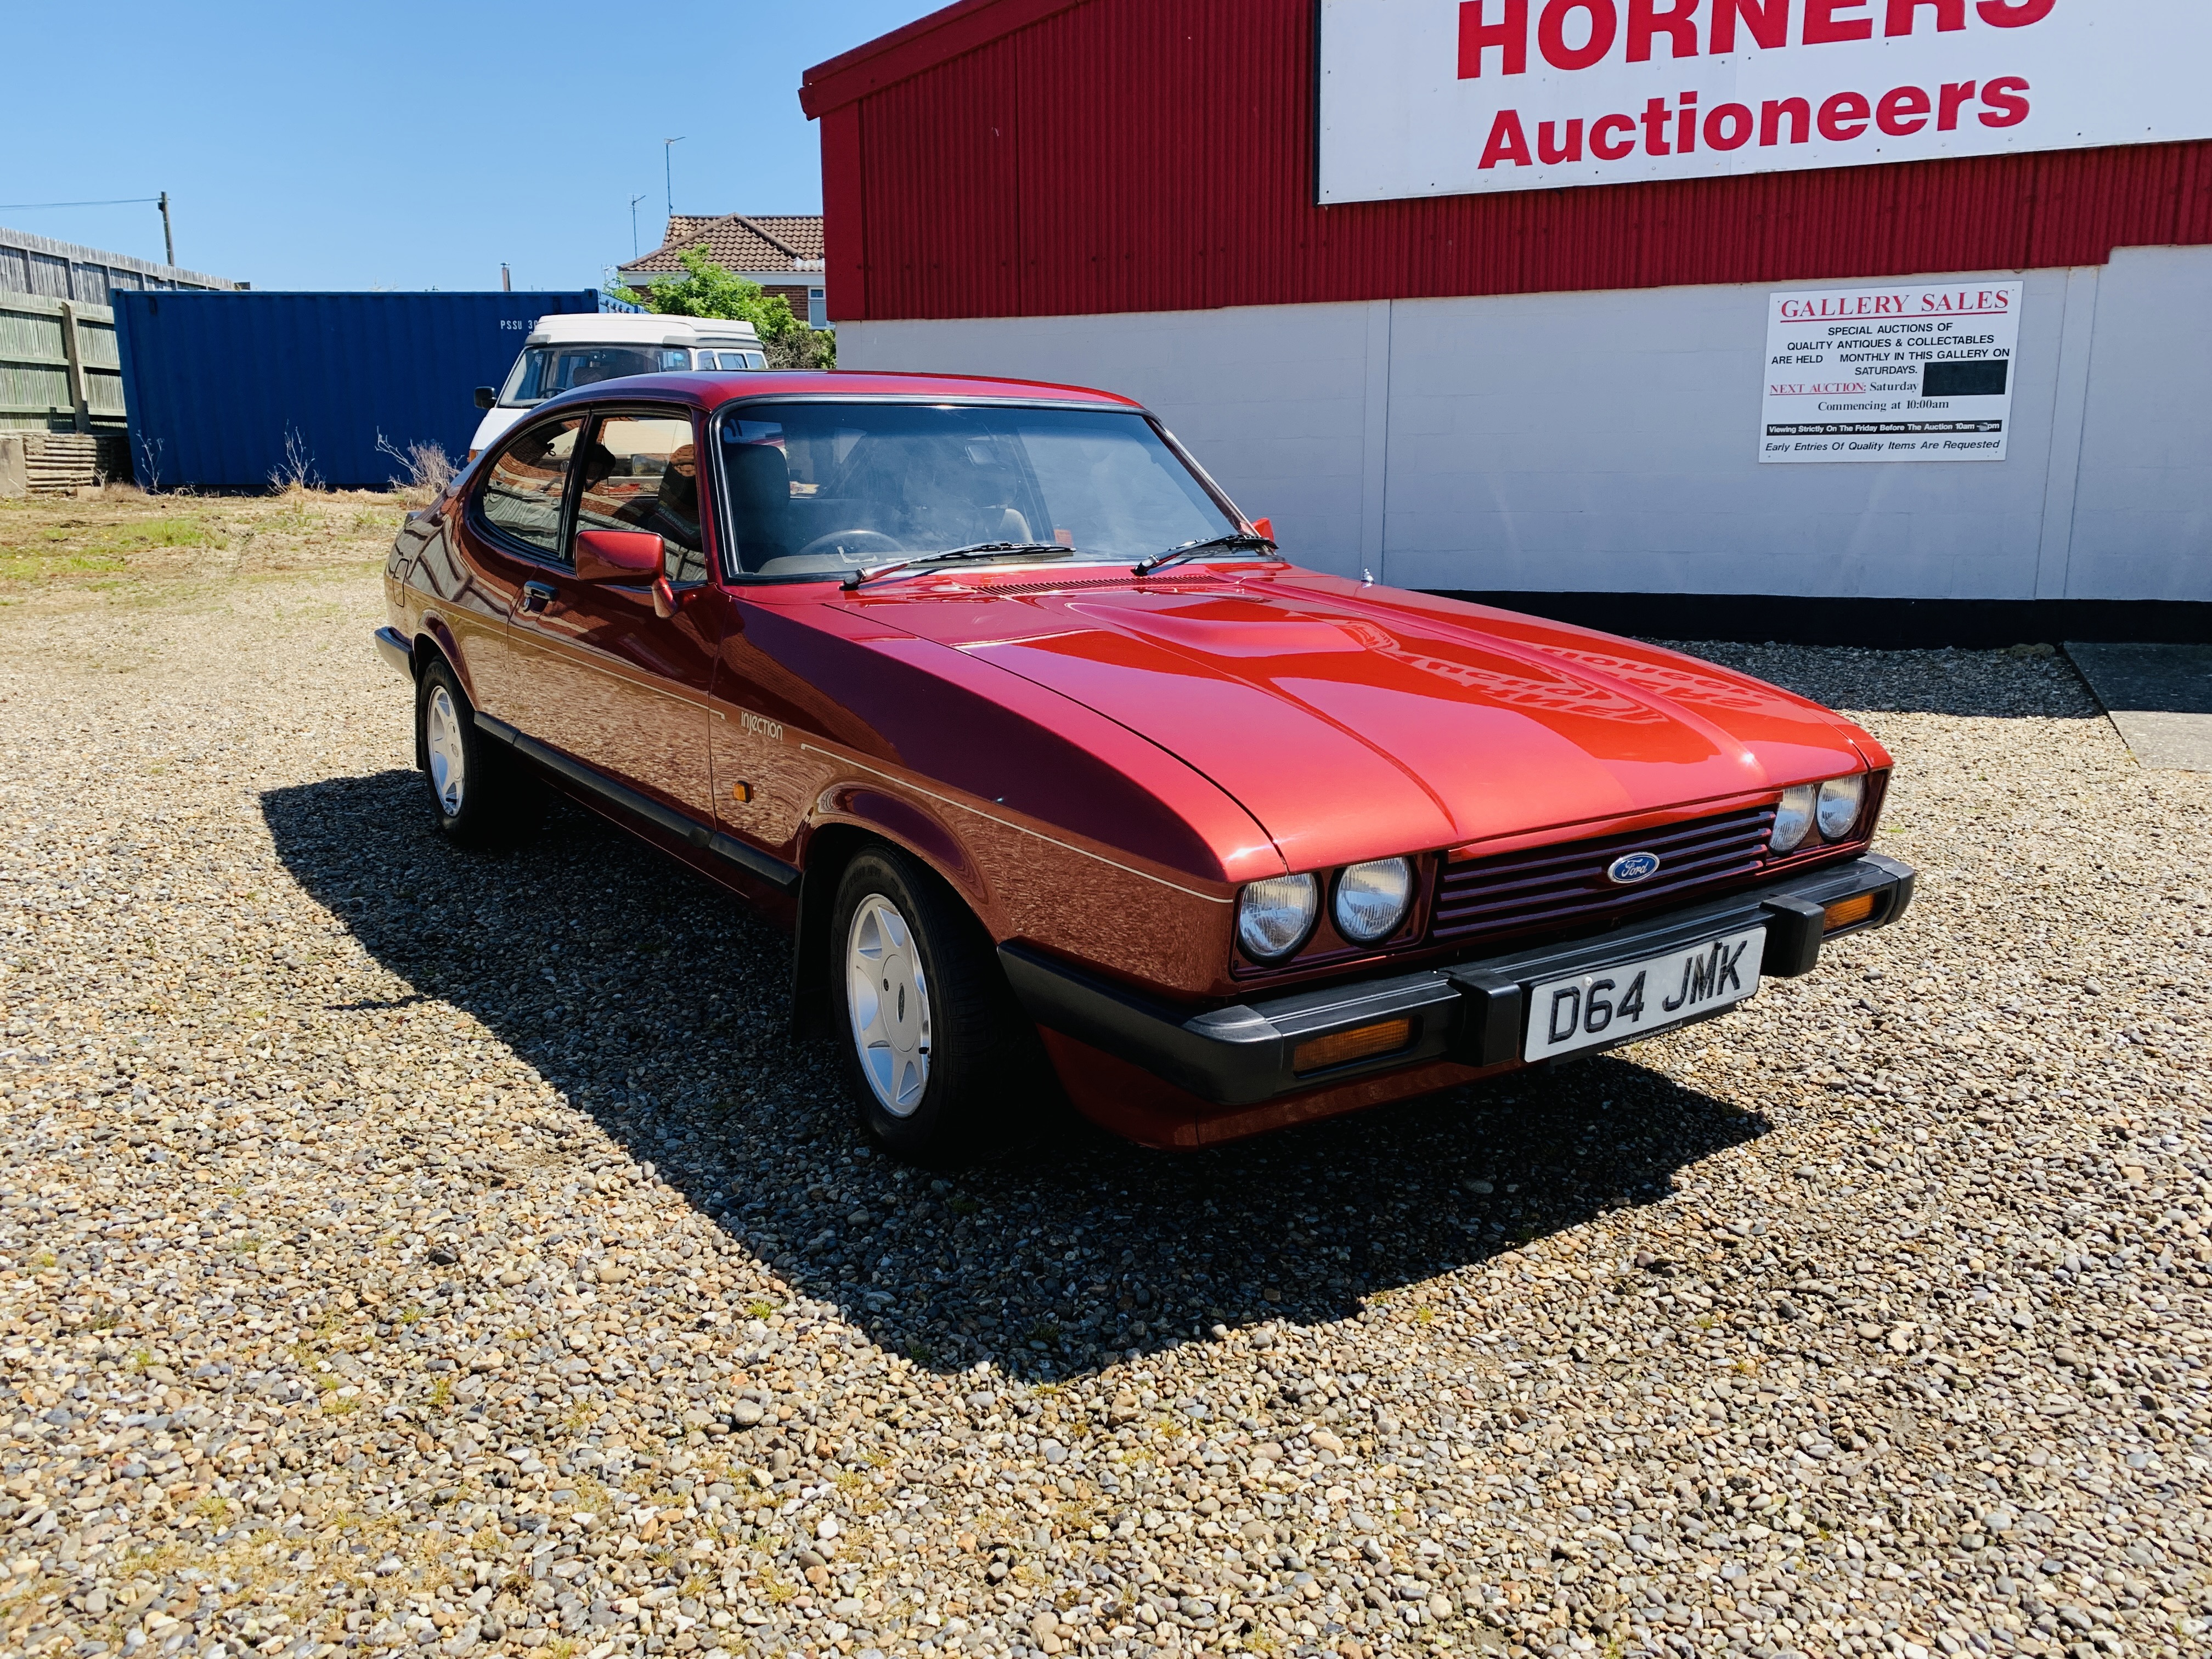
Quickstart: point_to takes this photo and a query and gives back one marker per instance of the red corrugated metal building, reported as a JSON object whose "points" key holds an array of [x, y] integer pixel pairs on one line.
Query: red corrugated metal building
{"points": [[1127, 191]]}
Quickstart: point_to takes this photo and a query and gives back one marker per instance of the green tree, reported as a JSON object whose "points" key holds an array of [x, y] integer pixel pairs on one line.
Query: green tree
{"points": [[708, 289]]}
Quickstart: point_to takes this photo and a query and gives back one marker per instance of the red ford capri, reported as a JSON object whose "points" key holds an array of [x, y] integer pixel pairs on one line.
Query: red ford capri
{"points": [[1064, 781]]}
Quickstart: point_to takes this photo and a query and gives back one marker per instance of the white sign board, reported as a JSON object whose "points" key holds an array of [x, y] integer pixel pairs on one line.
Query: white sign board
{"points": [[1921, 373], [1451, 97]]}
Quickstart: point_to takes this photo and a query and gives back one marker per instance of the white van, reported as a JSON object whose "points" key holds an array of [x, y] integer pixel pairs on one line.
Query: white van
{"points": [[565, 352]]}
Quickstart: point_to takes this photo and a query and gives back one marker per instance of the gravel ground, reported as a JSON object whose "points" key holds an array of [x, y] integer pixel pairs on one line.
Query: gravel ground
{"points": [[402, 1249]]}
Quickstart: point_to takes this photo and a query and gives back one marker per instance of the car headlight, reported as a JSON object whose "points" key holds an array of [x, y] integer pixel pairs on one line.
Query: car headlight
{"points": [[1793, 819], [1840, 800], [1372, 899], [1274, 916]]}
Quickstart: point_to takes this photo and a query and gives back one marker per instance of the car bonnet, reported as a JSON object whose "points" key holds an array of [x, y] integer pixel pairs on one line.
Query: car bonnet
{"points": [[1353, 722]]}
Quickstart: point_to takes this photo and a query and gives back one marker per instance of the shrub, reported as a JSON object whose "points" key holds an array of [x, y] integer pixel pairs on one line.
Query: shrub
{"points": [[708, 289]]}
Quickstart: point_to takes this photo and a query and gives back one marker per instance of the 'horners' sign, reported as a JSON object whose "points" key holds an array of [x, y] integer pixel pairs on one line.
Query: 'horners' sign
{"points": [[1434, 98]]}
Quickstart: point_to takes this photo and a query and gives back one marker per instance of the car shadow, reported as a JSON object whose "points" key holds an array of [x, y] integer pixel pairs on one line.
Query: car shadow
{"points": [[656, 1003]]}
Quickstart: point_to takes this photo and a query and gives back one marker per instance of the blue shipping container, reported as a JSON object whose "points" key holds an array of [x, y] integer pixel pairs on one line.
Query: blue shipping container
{"points": [[224, 390]]}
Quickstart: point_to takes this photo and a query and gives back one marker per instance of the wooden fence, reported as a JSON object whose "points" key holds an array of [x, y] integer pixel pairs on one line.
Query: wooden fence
{"points": [[59, 370]]}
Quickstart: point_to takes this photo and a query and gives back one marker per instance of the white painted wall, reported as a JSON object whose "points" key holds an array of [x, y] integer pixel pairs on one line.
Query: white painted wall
{"points": [[1608, 442], [2142, 518]]}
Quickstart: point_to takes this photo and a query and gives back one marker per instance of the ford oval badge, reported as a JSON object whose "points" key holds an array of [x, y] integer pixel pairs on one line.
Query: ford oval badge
{"points": [[1631, 867]]}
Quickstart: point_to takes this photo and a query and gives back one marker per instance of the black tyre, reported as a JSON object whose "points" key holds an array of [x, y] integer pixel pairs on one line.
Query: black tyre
{"points": [[479, 793], [946, 1067]]}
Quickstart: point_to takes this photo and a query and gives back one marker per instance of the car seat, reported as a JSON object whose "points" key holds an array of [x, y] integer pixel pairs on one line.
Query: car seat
{"points": [[760, 490]]}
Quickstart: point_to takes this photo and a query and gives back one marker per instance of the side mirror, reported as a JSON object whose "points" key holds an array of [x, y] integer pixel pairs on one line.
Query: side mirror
{"points": [[617, 555], [1265, 527], [486, 397]]}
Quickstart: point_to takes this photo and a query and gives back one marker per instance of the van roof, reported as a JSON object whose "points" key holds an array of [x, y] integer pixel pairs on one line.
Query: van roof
{"points": [[618, 328]]}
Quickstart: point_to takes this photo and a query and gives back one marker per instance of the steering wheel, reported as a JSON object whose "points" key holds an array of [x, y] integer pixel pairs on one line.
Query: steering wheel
{"points": [[852, 546]]}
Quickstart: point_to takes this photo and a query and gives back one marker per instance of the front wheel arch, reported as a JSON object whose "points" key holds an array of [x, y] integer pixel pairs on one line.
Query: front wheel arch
{"points": [[828, 849], [985, 1087]]}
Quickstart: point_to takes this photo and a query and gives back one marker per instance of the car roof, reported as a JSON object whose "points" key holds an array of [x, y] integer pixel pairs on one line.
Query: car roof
{"points": [[711, 391], [626, 328]]}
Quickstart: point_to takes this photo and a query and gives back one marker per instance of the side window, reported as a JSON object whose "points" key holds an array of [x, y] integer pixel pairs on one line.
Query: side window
{"points": [[641, 473], [523, 488]]}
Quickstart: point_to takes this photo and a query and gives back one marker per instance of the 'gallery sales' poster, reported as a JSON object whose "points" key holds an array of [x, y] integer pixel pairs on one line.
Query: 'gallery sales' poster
{"points": [[1922, 373]]}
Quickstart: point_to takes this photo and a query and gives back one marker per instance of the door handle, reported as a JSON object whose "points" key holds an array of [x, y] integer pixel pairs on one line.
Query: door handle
{"points": [[536, 596]]}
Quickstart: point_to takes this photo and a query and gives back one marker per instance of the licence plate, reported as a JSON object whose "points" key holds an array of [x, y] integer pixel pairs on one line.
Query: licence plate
{"points": [[1635, 999]]}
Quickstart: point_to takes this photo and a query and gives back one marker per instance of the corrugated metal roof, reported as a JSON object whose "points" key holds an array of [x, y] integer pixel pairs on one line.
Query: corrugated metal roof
{"points": [[918, 47], [1059, 157]]}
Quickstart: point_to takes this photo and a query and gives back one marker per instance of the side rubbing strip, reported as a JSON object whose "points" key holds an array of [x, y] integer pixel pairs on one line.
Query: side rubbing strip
{"points": [[754, 863]]}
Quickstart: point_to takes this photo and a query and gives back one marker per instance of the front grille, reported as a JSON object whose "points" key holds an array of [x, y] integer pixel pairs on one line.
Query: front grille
{"points": [[1552, 889]]}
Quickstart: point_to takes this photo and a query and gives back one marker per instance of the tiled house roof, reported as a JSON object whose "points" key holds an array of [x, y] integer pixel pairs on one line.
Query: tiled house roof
{"points": [[747, 243]]}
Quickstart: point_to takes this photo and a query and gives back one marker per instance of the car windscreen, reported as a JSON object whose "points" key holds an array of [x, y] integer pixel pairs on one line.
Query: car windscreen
{"points": [[822, 488], [543, 372]]}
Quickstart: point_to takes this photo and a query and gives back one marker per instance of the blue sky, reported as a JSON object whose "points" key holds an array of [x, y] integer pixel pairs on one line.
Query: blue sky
{"points": [[408, 145]]}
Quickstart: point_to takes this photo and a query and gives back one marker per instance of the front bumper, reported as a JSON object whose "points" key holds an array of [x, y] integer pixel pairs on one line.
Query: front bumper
{"points": [[1470, 1014]]}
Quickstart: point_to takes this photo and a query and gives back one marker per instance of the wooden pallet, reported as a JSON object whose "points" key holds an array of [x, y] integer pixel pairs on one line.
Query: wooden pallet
{"points": [[61, 463]]}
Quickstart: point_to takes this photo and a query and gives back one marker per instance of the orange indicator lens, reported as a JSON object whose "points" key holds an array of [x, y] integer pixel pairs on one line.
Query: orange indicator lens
{"points": [[1342, 1048], [1846, 912]]}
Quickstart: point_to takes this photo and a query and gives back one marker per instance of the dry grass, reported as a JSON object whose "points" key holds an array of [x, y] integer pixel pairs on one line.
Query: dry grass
{"points": [[429, 470], [121, 546]]}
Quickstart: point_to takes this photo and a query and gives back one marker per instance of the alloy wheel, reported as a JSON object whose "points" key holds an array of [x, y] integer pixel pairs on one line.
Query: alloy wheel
{"points": [[888, 998], [448, 759]]}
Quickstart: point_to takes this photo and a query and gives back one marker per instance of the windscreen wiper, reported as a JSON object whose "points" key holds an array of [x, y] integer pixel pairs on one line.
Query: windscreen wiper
{"points": [[962, 555], [1236, 538]]}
